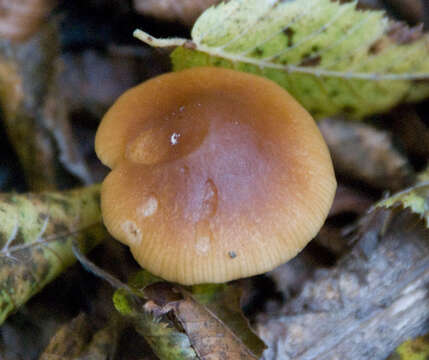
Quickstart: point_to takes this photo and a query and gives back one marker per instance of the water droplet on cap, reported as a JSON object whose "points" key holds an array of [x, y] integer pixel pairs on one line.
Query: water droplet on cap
{"points": [[210, 200], [203, 244], [174, 139], [149, 207], [203, 237], [132, 232]]}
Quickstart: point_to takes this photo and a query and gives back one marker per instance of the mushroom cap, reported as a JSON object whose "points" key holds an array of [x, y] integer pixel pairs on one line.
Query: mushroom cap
{"points": [[216, 175]]}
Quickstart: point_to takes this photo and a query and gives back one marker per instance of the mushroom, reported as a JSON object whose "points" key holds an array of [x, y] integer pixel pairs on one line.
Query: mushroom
{"points": [[216, 175]]}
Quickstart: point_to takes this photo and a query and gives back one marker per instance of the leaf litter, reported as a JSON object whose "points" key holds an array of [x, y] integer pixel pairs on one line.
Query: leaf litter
{"points": [[207, 317], [334, 59]]}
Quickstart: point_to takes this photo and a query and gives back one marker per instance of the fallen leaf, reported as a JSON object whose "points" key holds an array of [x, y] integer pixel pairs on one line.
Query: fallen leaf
{"points": [[224, 301], [415, 349], [361, 152], [36, 233], [330, 56], [166, 340], [209, 336], [211, 322], [415, 198]]}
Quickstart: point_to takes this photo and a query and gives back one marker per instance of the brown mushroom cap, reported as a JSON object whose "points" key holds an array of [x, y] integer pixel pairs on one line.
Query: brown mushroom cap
{"points": [[217, 175]]}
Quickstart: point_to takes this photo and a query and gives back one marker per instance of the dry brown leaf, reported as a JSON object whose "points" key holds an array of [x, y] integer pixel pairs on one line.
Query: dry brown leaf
{"points": [[224, 301], [209, 336], [361, 152], [211, 318], [19, 20]]}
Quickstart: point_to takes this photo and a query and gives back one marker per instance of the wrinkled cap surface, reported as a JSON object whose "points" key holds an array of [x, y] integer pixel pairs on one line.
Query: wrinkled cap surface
{"points": [[216, 175]]}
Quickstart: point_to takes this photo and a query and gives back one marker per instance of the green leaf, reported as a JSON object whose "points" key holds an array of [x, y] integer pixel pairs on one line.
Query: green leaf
{"points": [[36, 233], [332, 57], [166, 340], [143, 279], [416, 349], [415, 198]]}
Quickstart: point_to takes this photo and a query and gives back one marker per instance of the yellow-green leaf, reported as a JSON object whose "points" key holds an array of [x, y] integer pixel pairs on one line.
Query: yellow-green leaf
{"points": [[332, 57], [166, 341], [36, 232], [416, 198], [416, 349]]}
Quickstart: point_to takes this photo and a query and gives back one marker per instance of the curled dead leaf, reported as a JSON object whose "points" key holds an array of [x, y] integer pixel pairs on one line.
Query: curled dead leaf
{"points": [[361, 152]]}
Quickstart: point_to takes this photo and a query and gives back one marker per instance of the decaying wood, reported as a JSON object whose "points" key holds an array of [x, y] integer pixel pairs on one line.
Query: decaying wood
{"points": [[376, 298]]}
